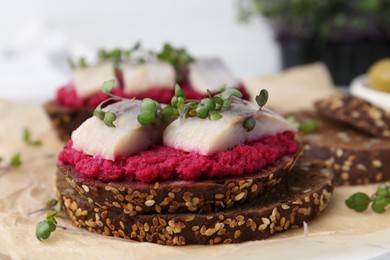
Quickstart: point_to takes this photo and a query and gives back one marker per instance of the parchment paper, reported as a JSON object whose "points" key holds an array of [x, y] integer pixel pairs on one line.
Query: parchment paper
{"points": [[339, 233]]}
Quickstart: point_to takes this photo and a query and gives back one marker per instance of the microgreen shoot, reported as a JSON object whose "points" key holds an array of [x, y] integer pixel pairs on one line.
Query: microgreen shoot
{"points": [[107, 116], [44, 228], [83, 62], [306, 126], [174, 56], [154, 113], [360, 201], [15, 160], [179, 58], [261, 99], [117, 55], [27, 138]]}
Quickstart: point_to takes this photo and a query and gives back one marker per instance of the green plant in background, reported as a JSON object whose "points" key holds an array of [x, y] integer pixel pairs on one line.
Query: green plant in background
{"points": [[345, 20]]}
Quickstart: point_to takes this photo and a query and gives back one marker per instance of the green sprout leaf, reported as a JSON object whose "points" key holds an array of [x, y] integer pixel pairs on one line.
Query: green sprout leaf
{"points": [[227, 94], [179, 91], [15, 160], [166, 114], [99, 113], [27, 138], [108, 86], [43, 230], [83, 62], [308, 126], [379, 204], [146, 117], [262, 98], [214, 115], [358, 201], [249, 124], [148, 104], [109, 118]]}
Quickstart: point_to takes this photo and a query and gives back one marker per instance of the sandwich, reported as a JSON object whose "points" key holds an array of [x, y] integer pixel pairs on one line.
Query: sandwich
{"points": [[139, 73], [209, 171]]}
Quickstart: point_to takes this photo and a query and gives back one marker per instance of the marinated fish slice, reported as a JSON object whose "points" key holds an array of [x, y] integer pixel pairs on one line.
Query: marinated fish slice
{"points": [[88, 81], [128, 136], [142, 77], [209, 74], [207, 137]]}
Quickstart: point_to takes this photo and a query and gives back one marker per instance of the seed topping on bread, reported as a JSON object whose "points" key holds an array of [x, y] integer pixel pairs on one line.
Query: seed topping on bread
{"points": [[357, 112]]}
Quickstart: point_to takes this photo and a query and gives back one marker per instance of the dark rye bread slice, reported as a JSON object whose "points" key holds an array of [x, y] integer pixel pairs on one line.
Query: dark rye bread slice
{"points": [[301, 196], [356, 112], [134, 198], [353, 156], [64, 120]]}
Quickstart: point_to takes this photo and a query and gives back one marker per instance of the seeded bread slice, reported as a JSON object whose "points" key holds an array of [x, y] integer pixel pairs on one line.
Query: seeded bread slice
{"points": [[64, 120], [356, 112], [134, 198], [301, 196], [353, 156]]}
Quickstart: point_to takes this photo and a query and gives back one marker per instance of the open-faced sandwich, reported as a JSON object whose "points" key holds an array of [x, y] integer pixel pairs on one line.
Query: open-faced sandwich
{"points": [[209, 171], [139, 73], [348, 135]]}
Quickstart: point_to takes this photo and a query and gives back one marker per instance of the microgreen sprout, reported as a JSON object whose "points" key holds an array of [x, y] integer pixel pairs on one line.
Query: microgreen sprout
{"points": [[179, 58], [27, 138], [261, 99], [44, 228], [175, 56], [15, 160], [306, 126], [106, 116], [117, 55], [83, 62], [360, 201]]}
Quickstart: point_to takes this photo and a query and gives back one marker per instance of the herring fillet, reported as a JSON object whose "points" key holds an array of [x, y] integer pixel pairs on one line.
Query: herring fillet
{"points": [[88, 81], [207, 137], [93, 137], [142, 77], [209, 74]]}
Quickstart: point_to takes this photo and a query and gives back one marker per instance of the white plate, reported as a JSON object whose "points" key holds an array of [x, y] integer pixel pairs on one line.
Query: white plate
{"points": [[359, 87]]}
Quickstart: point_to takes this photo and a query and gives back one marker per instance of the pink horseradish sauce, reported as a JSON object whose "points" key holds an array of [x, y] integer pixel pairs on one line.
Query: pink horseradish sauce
{"points": [[67, 95], [165, 163]]}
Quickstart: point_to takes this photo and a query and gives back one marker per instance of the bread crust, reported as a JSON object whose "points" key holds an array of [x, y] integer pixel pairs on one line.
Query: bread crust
{"points": [[301, 196], [64, 120], [133, 198]]}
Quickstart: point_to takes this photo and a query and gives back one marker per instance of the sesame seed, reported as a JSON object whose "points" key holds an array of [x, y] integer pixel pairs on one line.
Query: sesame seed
{"points": [[85, 187], [239, 196], [376, 163], [149, 203]]}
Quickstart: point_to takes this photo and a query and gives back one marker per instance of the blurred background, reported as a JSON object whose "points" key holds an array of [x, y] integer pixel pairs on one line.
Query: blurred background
{"points": [[254, 37], [37, 36]]}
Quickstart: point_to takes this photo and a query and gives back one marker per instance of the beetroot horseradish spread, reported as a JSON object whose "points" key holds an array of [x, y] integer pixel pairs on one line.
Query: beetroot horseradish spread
{"points": [[165, 163], [67, 95]]}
